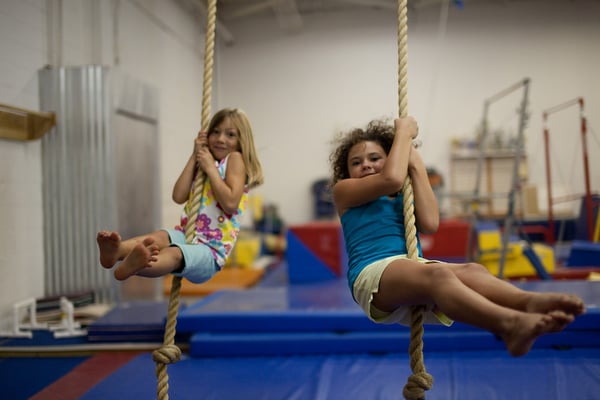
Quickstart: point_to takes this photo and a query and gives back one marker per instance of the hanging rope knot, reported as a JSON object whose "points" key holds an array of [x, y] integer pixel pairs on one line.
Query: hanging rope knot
{"points": [[416, 386], [168, 354]]}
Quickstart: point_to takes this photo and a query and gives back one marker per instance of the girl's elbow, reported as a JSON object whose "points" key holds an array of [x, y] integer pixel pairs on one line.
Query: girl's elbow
{"points": [[433, 226], [429, 226], [431, 229], [230, 207], [178, 199], [394, 183]]}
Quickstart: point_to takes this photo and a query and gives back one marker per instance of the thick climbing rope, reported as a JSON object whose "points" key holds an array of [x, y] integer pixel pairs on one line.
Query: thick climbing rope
{"points": [[419, 381], [169, 353]]}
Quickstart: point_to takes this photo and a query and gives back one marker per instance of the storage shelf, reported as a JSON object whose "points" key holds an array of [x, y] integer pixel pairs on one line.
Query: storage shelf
{"points": [[22, 124]]}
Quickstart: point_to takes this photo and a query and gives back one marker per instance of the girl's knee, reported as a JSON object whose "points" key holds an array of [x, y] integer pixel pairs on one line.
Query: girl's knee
{"points": [[474, 268], [174, 254], [439, 273], [161, 238]]}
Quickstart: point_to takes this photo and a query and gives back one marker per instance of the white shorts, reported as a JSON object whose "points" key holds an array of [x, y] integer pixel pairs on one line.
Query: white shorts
{"points": [[367, 283]]}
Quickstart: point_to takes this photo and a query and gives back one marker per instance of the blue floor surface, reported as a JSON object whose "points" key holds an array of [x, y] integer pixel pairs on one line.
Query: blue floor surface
{"points": [[312, 342], [489, 375], [275, 318], [24, 377]]}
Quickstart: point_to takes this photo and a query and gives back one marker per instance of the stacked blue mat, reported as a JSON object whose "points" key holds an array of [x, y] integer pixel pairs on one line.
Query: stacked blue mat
{"points": [[322, 318], [131, 321]]}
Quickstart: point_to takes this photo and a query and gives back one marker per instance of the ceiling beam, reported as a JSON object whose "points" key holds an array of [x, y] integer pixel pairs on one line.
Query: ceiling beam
{"points": [[253, 9], [384, 4], [288, 16]]}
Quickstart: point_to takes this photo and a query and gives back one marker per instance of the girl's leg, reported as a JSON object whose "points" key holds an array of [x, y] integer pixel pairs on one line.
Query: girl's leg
{"points": [[501, 292], [406, 282], [113, 248], [145, 259]]}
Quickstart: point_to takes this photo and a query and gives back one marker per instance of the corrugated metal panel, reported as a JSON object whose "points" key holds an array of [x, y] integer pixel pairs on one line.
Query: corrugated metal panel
{"points": [[78, 179], [80, 182]]}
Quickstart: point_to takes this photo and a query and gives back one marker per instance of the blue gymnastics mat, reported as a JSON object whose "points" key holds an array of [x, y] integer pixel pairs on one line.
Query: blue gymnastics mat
{"points": [[131, 321], [465, 375], [322, 318]]}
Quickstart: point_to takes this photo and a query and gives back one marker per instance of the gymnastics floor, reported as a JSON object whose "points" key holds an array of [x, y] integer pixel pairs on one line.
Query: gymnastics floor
{"points": [[307, 342]]}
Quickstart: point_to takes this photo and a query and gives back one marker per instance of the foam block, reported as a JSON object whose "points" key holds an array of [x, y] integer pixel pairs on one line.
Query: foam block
{"points": [[135, 321], [449, 242], [584, 254], [304, 265], [324, 239]]}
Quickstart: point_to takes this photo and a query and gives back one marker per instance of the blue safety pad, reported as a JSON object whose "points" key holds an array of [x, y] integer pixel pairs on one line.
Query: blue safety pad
{"points": [[325, 306], [584, 254], [304, 265], [464, 375], [135, 321], [41, 337], [286, 343], [301, 307], [328, 306]]}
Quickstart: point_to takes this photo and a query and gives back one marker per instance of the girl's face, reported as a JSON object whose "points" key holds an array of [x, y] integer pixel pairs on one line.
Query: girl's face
{"points": [[224, 139], [365, 158]]}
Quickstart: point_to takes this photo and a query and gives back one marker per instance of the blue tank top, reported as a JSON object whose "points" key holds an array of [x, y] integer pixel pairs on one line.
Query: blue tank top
{"points": [[372, 232]]}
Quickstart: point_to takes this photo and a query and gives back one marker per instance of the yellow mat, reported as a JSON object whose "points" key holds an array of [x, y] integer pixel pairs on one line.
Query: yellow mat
{"points": [[226, 279]]}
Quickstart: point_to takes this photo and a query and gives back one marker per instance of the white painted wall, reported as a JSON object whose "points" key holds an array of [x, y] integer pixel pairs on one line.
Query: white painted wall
{"points": [[341, 71], [152, 40], [300, 90], [22, 52]]}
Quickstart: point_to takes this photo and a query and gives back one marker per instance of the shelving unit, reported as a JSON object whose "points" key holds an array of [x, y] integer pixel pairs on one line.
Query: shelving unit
{"points": [[495, 184]]}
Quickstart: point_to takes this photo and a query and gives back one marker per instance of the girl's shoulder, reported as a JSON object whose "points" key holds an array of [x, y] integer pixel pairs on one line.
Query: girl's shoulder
{"points": [[234, 155], [234, 162], [234, 158]]}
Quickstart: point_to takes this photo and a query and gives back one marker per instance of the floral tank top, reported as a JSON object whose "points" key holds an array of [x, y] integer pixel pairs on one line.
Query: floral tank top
{"points": [[215, 228]]}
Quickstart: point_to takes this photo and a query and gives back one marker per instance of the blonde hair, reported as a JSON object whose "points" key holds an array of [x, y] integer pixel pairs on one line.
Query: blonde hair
{"points": [[239, 119]]}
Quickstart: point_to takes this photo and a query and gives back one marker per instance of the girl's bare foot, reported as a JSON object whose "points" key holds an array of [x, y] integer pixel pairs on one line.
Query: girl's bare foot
{"points": [[140, 257], [560, 320], [108, 243], [546, 302], [524, 329]]}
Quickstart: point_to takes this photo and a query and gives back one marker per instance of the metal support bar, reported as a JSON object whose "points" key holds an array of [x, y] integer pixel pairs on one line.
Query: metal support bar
{"points": [[586, 168], [510, 216], [474, 211]]}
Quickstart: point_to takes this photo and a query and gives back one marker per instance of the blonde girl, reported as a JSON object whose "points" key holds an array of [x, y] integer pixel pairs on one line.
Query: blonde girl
{"points": [[227, 157]]}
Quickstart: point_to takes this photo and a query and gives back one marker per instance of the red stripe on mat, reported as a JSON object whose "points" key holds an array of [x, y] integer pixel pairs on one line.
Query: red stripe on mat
{"points": [[85, 376]]}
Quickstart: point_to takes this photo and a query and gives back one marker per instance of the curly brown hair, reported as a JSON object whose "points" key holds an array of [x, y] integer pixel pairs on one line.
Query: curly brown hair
{"points": [[378, 131]]}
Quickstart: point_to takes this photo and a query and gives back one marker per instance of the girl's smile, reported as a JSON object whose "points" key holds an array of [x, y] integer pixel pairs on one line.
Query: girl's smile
{"points": [[223, 139], [365, 158]]}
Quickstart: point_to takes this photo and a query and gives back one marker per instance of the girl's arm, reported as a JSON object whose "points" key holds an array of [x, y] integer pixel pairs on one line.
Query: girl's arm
{"points": [[183, 185], [353, 192], [427, 215], [228, 192]]}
